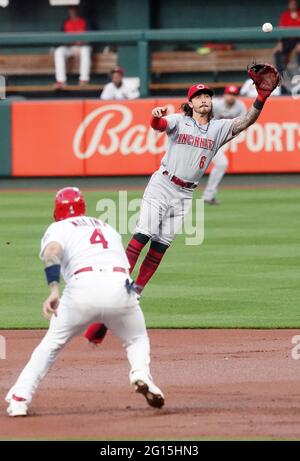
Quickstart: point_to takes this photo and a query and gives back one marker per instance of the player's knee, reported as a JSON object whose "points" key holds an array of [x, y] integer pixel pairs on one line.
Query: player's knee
{"points": [[142, 238], [52, 345]]}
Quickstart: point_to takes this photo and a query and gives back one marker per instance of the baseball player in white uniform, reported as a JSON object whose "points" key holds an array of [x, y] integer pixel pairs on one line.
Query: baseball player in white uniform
{"points": [[119, 88], [227, 107], [194, 138], [90, 256], [249, 91]]}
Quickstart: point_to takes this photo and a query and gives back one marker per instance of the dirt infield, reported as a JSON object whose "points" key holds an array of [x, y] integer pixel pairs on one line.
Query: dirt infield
{"points": [[218, 383]]}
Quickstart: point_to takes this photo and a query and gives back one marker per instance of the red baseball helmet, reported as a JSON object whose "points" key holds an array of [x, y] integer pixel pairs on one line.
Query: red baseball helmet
{"points": [[199, 88], [231, 89], [69, 202]]}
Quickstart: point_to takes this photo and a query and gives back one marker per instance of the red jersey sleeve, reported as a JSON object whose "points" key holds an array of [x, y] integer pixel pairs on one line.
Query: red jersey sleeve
{"points": [[159, 123]]}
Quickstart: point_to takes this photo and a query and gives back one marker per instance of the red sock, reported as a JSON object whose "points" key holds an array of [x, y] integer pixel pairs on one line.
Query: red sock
{"points": [[148, 267], [133, 251]]}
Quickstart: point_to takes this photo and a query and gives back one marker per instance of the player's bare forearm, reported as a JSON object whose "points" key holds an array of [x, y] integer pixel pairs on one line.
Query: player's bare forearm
{"points": [[52, 258], [52, 254], [246, 120], [54, 286]]}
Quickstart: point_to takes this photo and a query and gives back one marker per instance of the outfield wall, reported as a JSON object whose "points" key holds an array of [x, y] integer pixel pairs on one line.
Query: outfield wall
{"points": [[90, 137]]}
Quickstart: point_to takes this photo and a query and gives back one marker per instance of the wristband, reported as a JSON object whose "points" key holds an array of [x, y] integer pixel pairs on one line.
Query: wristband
{"points": [[159, 123], [53, 273], [258, 104]]}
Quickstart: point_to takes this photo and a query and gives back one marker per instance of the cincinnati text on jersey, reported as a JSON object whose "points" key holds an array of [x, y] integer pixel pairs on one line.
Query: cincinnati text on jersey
{"points": [[196, 141]]}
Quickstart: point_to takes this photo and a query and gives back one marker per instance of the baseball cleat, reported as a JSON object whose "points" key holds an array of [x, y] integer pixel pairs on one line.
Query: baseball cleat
{"points": [[152, 393], [133, 287], [17, 406]]}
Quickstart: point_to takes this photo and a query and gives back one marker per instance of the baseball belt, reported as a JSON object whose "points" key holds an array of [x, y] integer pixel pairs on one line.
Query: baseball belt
{"points": [[102, 269], [180, 182]]}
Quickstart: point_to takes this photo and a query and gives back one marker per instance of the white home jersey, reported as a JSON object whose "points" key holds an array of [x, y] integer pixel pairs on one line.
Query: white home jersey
{"points": [[86, 241], [191, 146], [126, 91], [248, 89]]}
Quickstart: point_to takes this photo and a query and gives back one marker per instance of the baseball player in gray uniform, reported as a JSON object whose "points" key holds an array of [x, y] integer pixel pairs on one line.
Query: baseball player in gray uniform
{"points": [[227, 107], [194, 138]]}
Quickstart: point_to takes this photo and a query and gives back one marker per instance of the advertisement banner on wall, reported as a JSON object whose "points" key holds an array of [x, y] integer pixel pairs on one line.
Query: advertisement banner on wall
{"points": [[91, 137]]}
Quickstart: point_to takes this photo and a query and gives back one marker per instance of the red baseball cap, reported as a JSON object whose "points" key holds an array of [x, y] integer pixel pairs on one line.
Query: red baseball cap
{"points": [[199, 88], [231, 89], [117, 69]]}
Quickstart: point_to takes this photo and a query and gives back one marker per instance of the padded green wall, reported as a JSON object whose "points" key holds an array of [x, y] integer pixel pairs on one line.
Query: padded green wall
{"points": [[5, 138], [38, 15], [217, 13]]}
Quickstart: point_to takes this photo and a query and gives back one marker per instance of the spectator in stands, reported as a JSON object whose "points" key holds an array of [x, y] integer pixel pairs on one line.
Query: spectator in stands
{"points": [[289, 18], [119, 87], [74, 24], [248, 89]]}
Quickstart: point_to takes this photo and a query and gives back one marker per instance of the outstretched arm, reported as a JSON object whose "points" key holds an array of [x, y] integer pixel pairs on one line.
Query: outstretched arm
{"points": [[244, 121], [266, 78]]}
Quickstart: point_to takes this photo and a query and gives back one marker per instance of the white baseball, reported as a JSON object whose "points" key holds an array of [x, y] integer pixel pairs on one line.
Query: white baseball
{"points": [[267, 27]]}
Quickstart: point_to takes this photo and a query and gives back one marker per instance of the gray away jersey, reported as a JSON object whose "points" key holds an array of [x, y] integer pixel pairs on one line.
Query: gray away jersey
{"points": [[191, 146]]}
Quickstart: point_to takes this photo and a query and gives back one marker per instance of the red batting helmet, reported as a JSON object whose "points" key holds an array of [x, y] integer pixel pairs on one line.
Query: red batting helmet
{"points": [[69, 202], [199, 88], [231, 89]]}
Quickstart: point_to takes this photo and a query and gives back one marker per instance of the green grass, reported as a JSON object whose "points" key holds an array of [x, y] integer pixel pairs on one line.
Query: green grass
{"points": [[245, 274]]}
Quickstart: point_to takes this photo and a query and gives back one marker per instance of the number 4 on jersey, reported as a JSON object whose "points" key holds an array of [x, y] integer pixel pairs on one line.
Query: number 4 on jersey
{"points": [[98, 237]]}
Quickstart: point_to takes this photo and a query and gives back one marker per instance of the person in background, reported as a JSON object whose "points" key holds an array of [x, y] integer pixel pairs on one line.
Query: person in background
{"points": [[74, 24], [119, 88], [228, 107], [289, 18], [249, 91]]}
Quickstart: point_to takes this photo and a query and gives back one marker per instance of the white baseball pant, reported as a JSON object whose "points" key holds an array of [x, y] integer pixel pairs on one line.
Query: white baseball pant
{"points": [[215, 176], [90, 297], [61, 53]]}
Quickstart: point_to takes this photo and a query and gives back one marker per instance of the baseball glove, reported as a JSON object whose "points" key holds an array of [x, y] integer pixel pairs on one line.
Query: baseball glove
{"points": [[95, 333], [265, 77]]}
